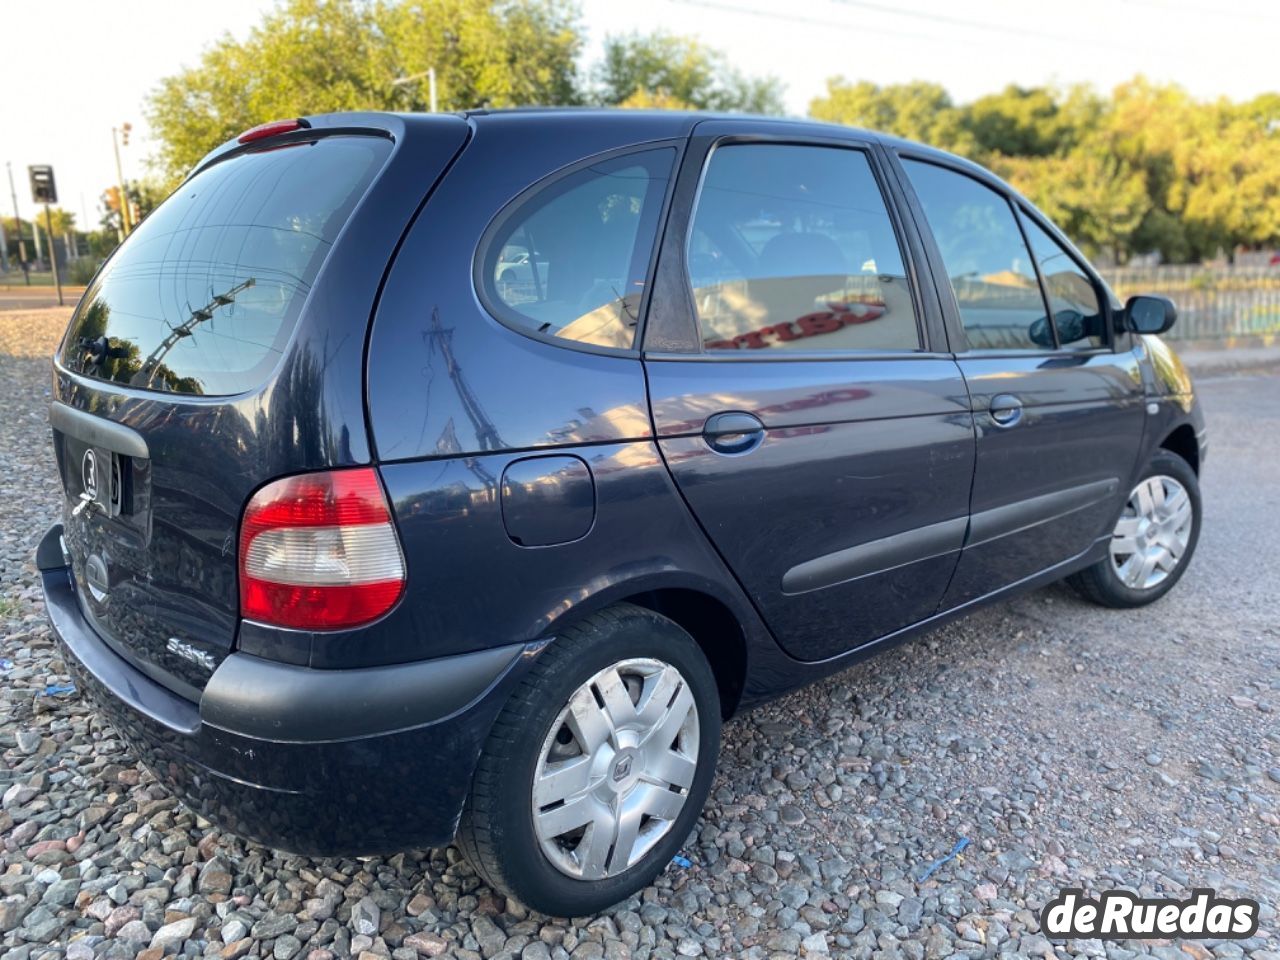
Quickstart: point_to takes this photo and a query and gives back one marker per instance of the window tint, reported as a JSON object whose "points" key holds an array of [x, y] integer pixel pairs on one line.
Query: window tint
{"points": [[1073, 299], [203, 296], [571, 261], [986, 259], [792, 248]]}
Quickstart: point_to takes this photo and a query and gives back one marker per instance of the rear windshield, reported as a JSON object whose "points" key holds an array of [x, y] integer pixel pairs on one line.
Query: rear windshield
{"points": [[203, 296]]}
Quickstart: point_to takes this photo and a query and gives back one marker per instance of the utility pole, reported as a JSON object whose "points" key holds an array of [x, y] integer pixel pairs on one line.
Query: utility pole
{"points": [[431, 81], [35, 236], [4, 250], [53, 252], [126, 215], [17, 225]]}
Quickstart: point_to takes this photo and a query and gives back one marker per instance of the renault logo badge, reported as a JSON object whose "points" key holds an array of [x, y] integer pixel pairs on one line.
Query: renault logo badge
{"points": [[89, 474]]}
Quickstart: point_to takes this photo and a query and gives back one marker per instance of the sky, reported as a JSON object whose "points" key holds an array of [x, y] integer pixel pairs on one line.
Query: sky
{"points": [[61, 95]]}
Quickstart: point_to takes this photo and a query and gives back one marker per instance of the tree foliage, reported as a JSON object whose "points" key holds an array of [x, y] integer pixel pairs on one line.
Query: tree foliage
{"points": [[319, 56], [666, 71], [918, 111], [1146, 169]]}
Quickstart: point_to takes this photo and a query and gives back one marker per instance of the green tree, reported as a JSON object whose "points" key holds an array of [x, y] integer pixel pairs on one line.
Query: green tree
{"points": [[318, 56], [918, 111], [663, 70], [1030, 121], [1213, 169], [485, 54], [1097, 198], [1148, 168]]}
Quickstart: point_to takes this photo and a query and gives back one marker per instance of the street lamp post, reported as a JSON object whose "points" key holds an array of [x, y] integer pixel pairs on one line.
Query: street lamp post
{"points": [[126, 215], [430, 75]]}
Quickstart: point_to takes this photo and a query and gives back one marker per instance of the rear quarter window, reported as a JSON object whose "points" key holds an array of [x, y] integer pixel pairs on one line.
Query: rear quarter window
{"points": [[204, 295], [568, 261]]}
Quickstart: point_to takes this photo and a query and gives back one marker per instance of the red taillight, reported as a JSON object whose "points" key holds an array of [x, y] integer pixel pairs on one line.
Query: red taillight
{"points": [[272, 129], [319, 552]]}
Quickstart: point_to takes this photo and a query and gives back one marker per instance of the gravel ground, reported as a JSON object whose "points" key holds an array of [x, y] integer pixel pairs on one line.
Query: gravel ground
{"points": [[1072, 746]]}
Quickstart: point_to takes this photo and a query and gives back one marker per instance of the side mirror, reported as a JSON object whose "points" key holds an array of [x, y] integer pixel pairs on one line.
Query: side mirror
{"points": [[1041, 333], [1149, 313]]}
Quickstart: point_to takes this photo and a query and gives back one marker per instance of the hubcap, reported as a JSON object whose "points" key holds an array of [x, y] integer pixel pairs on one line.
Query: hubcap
{"points": [[615, 768], [1152, 533]]}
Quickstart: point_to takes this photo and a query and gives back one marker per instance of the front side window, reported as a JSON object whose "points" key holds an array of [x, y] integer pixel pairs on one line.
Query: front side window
{"points": [[1073, 298], [570, 261], [986, 259], [792, 248]]}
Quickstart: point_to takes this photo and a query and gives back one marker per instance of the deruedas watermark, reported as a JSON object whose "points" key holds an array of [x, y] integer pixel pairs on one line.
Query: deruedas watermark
{"points": [[1120, 915]]}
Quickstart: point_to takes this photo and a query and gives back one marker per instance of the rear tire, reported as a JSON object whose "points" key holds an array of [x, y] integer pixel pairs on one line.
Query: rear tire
{"points": [[617, 723], [1153, 541]]}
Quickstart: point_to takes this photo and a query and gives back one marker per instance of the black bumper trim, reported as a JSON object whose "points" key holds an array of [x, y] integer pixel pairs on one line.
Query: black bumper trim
{"points": [[281, 702], [260, 698], [121, 678], [311, 797]]}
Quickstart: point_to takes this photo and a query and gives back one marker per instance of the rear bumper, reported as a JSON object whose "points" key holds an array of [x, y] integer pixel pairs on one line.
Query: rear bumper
{"points": [[320, 762]]}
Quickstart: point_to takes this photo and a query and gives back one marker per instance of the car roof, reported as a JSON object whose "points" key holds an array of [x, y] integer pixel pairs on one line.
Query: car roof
{"points": [[678, 123], [642, 124]]}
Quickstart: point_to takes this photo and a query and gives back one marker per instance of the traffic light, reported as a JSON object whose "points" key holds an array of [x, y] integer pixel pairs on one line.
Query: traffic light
{"points": [[124, 133], [43, 189]]}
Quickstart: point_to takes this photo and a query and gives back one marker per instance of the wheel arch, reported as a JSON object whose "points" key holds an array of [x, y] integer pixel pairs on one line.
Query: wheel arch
{"points": [[722, 625], [716, 630], [1181, 440]]}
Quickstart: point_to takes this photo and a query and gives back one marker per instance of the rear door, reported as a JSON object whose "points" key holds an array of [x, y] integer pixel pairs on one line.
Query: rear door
{"points": [[1058, 407], [198, 366], [800, 387]]}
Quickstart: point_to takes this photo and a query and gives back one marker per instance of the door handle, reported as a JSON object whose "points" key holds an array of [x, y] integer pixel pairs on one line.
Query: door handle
{"points": [[733, 432], [1006, 410]]}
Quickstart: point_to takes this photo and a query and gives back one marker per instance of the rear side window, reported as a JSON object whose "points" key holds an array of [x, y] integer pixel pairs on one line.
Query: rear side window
{"points": [[792, 248], [986, 259], [570, 260], [202, 298], [1073, 298]]}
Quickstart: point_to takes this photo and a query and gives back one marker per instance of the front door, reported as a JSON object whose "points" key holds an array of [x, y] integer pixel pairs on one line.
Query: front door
{"points": [[822, 446], [1058, 412]]}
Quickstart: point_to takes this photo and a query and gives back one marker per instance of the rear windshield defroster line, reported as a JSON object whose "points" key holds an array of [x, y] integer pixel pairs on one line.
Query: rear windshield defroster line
{"points": [[202, 298]]}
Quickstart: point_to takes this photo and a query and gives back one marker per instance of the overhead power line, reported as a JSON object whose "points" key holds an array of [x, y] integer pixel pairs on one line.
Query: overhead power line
{"points": [[907, 12], [1221, 11], [797, 18], [984, 25]]}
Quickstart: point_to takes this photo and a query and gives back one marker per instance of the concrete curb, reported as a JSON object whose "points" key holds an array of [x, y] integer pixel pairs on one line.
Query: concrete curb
{"points": [[1210, 363]]}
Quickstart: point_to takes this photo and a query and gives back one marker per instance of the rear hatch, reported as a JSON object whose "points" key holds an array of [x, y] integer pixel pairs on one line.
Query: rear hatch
{"points": [[201, 363]]}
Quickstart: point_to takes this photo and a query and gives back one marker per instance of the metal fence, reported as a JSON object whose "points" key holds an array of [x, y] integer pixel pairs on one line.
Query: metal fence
{"points": [[1214, 303]]}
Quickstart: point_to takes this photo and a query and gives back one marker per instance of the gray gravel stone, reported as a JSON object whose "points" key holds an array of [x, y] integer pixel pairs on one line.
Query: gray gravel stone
{"points": [[172, 934], [365, 917], [135, 930]]}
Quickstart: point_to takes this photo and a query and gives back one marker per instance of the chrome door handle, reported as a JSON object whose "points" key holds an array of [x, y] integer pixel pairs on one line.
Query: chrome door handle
{"points": [[1006, 410], [733, 432]]}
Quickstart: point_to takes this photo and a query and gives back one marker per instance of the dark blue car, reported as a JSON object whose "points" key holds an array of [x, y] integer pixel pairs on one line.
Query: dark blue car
{"points": [[457, 476]]}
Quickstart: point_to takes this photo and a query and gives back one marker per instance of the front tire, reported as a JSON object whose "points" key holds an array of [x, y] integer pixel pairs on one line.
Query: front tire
{"points": [[598, 766], [1153, 540]]}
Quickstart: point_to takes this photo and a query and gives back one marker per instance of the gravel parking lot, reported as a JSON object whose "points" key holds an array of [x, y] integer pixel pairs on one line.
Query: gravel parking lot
{"points": [[1070, 745]]}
